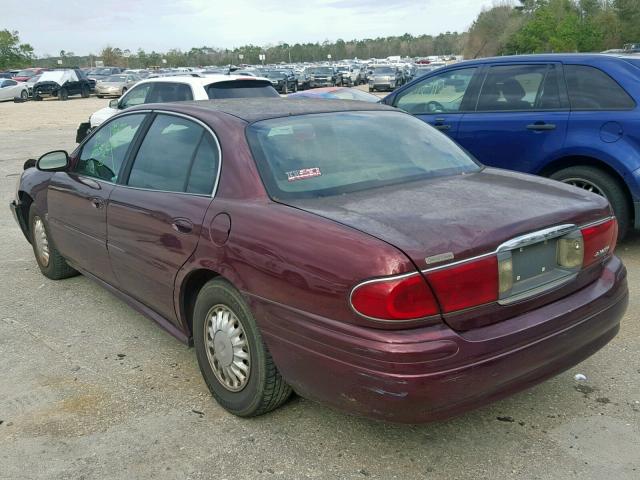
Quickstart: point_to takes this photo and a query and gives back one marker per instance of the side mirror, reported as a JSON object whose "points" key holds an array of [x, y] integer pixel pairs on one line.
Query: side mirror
{"points": [[113, 103], [56, 161], [29, 163]]}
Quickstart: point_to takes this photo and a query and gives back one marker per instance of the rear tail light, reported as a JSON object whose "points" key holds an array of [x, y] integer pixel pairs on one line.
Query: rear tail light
{"points": [[472, 283], [405, 298], [466, 285], [599, 240]]}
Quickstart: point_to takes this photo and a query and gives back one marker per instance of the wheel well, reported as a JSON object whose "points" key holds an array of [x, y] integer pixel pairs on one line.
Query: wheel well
{"points": [[575, 161], [190, 289]]}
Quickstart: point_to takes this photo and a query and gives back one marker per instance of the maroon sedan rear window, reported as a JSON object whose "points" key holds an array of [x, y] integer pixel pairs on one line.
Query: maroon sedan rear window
{"points": [[333, 153]]}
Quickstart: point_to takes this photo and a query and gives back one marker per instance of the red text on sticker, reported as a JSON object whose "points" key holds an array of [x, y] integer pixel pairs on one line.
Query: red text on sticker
{"points": [[294, 175]]}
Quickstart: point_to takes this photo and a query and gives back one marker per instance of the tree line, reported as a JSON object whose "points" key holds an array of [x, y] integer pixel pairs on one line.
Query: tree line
{"points": [[509, 27], [544, 26]]}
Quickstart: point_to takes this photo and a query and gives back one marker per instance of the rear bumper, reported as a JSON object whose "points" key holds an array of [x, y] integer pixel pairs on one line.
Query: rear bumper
{"points": [[420, 375]]}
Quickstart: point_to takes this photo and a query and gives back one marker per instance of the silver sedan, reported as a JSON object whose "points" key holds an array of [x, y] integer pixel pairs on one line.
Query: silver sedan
{"points": [[116, 85]]}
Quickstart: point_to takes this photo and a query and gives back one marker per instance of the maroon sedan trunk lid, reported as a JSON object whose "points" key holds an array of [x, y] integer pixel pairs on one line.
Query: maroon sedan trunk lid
{"points": [[460, 216]]}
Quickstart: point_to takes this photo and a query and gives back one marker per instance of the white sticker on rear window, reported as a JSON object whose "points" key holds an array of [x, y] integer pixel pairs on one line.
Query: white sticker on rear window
{"points": [[294, 175], [285, 130]]}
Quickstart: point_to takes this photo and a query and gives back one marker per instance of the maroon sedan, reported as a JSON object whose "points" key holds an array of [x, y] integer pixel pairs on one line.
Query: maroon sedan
{"points": [[343, 250]]}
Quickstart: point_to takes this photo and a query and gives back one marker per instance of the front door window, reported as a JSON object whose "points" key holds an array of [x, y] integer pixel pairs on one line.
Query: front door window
{"points": [[103, 155]]}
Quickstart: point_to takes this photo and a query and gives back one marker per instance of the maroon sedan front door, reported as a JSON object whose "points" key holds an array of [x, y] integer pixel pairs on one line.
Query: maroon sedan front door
{"points": [[77, 200], [155, 218]]}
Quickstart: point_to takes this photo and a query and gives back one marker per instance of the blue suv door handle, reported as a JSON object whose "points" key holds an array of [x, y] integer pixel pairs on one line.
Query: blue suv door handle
{"points": [[541, 126]]}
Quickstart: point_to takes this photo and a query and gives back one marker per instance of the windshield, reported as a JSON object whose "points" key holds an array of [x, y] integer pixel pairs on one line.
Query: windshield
{"points": [[100, 71], [322, 71], [116, 78], [315, 155], [384, 70], [355, 94], [272, 74], [241, 89]]}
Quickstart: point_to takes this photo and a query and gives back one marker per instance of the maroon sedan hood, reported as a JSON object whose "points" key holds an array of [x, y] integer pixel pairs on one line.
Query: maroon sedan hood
{"points": [[465, 215]]}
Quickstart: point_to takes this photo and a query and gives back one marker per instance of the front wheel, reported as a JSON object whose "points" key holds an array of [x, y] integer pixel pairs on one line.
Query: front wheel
{"points": [[285, 89], [85, 92], [24, 94], [63, 94], [602, 183], [51, 263], [233, 359]]}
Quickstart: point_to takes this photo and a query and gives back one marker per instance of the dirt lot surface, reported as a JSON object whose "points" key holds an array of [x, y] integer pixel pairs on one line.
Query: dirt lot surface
{"points": [[89, 389]]}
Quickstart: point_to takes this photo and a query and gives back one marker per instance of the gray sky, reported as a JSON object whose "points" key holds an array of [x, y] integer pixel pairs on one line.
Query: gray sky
{"points": [[84, 27]]}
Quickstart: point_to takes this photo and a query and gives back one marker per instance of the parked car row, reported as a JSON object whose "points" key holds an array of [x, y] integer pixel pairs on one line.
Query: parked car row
{"points": [[573, 118]]}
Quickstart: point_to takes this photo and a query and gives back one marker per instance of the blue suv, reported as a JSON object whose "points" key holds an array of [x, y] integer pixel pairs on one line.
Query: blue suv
{"points": [[570, 117]]}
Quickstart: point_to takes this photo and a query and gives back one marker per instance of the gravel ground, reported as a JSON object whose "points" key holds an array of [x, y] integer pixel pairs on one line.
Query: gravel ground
{"points": [[90, 389]]}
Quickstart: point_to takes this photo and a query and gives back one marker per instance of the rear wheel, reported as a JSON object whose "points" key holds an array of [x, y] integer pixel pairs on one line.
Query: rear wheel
{"points": [[233, 359], [598, 181], [51, 263]]}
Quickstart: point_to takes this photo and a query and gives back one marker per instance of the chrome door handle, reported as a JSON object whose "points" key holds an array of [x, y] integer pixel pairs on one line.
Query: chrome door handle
{"points": [[97, 203], [182, 225], [442, 127], [541, 126]]}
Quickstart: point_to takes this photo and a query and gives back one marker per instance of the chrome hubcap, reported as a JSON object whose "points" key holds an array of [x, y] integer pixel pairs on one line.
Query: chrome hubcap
{"points": [[42, 242], [227, 348], [585, 185]]}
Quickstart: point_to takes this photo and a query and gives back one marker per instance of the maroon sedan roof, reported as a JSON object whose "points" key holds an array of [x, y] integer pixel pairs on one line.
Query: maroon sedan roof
{"points": [[255, 109]]}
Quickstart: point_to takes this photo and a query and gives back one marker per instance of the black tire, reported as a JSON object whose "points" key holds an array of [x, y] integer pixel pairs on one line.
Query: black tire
{"points": [[265, 389], [371, 89], [100, 96], [37, 98], [24, 95], [608, 186], [56, 268], [85, 92], [295, 87], [63, 94], [285, 88]]}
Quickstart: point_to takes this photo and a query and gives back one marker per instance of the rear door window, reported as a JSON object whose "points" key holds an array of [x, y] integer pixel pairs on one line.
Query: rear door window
{"points": [[519, 87], [589, 88], [241, 89], [176, 155], [169, 92]]}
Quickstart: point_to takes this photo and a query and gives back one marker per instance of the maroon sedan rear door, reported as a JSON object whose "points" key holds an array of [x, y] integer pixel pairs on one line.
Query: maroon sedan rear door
{"points": [[155, 218], [77, 200]]}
